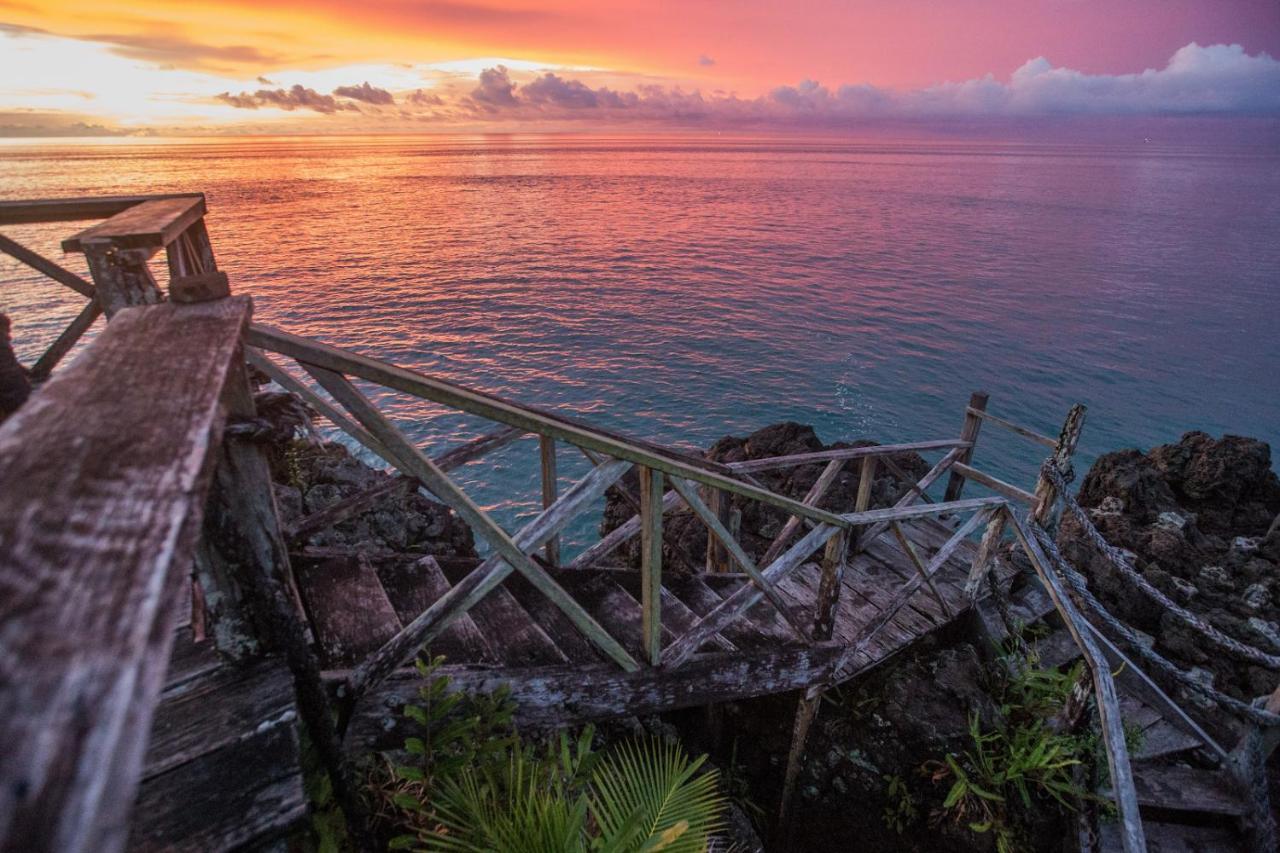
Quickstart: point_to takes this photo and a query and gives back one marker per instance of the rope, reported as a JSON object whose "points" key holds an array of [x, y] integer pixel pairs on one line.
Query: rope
{"points": [[1120, 560], [1081, 588]]}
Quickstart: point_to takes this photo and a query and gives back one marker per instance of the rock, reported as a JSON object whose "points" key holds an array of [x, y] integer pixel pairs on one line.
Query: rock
{"points": [[1198, 516]]}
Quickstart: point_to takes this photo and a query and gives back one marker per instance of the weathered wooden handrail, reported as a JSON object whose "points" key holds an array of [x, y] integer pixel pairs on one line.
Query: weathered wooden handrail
{"points": [[497, 409], [995, 484], [149, 225], [94, 568], [33, 211], [1018, 429], [770, 463]]}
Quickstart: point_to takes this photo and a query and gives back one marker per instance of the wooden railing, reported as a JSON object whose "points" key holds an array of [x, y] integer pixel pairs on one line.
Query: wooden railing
{"points": [[245, 553]]}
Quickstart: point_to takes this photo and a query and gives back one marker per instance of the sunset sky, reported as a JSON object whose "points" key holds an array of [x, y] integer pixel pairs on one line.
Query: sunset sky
{"points": [[74, 67]]}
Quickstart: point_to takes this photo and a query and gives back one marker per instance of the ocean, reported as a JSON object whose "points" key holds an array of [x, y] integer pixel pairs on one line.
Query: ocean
{"points": [[682, 287]]}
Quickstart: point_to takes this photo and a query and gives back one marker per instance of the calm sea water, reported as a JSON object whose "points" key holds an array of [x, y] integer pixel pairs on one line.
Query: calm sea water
{"points": [[682, 288]]}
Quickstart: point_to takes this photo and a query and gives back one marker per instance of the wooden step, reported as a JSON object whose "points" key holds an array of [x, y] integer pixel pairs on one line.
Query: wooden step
{"points": [[1174, 838], [348, 608], [613, 607], [1186, 789], [509, 630], [701, 597], [415, 583], [223, 767], [677, 617]]}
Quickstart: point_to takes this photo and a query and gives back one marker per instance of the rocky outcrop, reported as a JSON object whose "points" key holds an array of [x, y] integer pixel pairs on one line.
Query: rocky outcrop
{"points": [[1201, 517], [309, 478], [684, 535]]}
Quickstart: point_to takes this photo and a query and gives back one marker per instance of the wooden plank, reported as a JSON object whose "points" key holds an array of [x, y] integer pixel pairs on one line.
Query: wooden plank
{"points": [[477, 448], [553, 697], [677, 617], [41, 264], [547, 458], [1164, 739], [770, 463], [612, 604], [986, 550], [1104, 688], [92, 570], [1187, 789], [553, 621], [909, 498], [121, 278], [651, 562], [701, 599], [65, 341], [996, 485], [257, 798], [1174, 838], [222, 707], [412, 586], [490, 406], [736, 604], [918, 564], [1012, 427], [348, 608], [30, 211], [151, 224]]}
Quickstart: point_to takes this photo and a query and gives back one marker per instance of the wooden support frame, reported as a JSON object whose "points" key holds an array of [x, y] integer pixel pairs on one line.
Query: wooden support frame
{"points": [[716, 530], [1012, 427], [414, 464], [622, 533], [995, 484], [986, 550], [752, 466], [969, 433], [503, 411], [906, 501], [922, 571], [1046, 495], [816, 493], [651, 563], [744, 598]]}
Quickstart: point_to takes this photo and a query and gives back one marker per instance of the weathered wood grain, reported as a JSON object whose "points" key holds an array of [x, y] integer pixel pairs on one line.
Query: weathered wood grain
{"points": [[96, 547], [349, 609], [1046, 495], [770, 463], [28, 211], [995, 484], [413, 585], [121, 277], [1038, 438], [558, 696], [151, 224]]}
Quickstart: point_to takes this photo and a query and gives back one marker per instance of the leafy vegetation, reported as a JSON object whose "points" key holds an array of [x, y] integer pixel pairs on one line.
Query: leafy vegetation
{"points": [[1021, 766], [472, 784]]}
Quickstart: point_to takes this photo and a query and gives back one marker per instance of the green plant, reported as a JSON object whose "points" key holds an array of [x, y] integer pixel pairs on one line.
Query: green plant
{"points": [[471, 784], [900, 809]]}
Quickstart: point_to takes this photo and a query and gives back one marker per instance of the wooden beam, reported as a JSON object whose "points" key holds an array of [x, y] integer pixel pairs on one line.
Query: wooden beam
{"points": [[1104, 688], [29, 211], [968, 433], [65, 341], [150, 225], [413, 463], [504, 411], [770, 463], [744, 598], [986, 550], [551, 697], [906, 512], [815, 494], [96, 542], [717, 530], [651, 563], [620, 534], [121, 277], [918, 564], [43, 265], [547, 458], [1012, 427], [717, 556], [870, 535], [996, 485], [1046, 495]]}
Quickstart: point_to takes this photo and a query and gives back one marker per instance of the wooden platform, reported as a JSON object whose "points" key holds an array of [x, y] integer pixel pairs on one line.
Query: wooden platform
{"points": [[518, 638]]}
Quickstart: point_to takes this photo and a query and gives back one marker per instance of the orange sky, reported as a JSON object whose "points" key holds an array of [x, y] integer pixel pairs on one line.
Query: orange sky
{"points": [[96, 57]]}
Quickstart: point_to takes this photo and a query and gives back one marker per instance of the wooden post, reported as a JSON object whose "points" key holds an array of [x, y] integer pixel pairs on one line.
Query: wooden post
{"points": [[121, 276], [866, 479], [651, 562], [717, 556], [968, 432], [986, 550], [191, 253], [547, 452], [1046, 494]]}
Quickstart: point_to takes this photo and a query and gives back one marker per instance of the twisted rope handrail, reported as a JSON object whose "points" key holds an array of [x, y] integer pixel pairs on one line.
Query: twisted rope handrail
{"points": [[1080, 586], [1120, 560]]}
